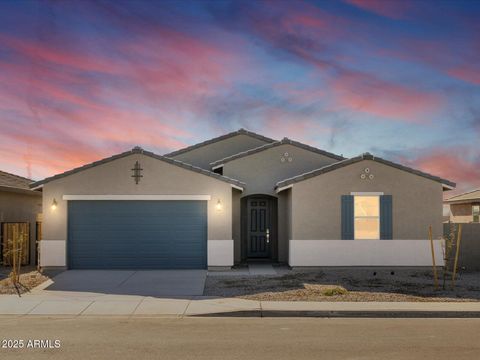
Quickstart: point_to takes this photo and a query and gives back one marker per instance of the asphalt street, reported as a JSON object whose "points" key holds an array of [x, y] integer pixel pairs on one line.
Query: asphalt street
{"points": [[238, 338]]}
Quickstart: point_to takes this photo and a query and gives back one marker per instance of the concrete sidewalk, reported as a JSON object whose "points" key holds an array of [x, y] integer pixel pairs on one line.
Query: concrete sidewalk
{"points": [[92, 304]]}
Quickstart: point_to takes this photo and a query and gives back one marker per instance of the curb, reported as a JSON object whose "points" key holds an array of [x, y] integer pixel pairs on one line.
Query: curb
{"points": [[346, 314]]}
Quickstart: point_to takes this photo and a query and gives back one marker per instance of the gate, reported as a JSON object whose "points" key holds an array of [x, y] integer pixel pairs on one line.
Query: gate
{"points": [[15, 236]]}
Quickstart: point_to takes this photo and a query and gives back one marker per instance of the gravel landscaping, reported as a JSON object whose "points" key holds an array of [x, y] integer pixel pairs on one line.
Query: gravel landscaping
{"points": [[29, 279], [359, 284]]}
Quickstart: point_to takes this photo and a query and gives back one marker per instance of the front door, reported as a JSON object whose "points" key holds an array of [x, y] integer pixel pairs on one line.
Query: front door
{"points": [[259, 227]]}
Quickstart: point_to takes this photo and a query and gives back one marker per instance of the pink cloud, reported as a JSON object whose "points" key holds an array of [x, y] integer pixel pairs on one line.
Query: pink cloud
{"points": [[151, 91], [366, 93], [466, 73], [56, 55], [452, 164], [395, 9]]}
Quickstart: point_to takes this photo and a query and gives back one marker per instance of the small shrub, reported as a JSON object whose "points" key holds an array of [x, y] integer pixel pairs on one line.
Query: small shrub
{"points": [[333, 291]]}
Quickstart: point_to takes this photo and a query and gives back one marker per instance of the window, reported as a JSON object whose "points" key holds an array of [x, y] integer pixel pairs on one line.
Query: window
{"points": [[366, 217], [476, 213]]}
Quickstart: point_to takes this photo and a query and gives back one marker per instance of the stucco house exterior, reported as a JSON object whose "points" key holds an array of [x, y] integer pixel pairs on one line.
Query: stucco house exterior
{"points": [[240, 197], [465, 207], [19, 204]]}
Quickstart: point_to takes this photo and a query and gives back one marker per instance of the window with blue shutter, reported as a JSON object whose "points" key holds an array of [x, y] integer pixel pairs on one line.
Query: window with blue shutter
{"points": [[386, 218], [347, 217]]}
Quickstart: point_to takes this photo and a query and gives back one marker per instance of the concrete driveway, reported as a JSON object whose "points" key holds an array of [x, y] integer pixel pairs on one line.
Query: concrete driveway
{"points": [[155, 283]]}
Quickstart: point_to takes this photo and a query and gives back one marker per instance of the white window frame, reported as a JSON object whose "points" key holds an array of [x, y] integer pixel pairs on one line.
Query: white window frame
{"points": [[366, 194], [473, 212]]}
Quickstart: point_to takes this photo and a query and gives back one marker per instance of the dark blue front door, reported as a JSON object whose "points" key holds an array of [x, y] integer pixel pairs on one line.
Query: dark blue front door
{"points": [[259, 227], [137, 234]]}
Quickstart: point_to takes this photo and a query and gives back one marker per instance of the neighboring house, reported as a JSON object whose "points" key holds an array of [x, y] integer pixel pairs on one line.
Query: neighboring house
{"points": [[19, 204], [465, 208], [240, 197]]}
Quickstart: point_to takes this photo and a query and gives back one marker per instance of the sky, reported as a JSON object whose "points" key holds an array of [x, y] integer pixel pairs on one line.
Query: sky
{"points": [[83, 80]]}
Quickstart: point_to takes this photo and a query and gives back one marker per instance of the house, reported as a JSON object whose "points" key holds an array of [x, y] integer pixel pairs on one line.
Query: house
{"points": [[19, 204], [240, 197], [465, 207]]}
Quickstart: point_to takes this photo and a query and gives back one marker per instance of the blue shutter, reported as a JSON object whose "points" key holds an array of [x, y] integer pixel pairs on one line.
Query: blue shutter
{"points": [[386, 218], [347, 217]]}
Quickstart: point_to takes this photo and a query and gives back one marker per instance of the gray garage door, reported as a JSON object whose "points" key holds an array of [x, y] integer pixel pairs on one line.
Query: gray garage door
{"points": [[137, 234]]}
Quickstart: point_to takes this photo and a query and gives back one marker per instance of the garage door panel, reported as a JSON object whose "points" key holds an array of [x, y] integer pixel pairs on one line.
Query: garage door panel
{"points": [[137, 234]]}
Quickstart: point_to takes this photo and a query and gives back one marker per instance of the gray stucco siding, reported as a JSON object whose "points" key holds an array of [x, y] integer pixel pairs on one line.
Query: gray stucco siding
{"points": [[159, 178], [315, 206], [204, 155], [262, 170]]}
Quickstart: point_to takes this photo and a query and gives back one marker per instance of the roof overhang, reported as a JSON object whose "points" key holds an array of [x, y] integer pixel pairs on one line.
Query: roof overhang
{"points": [[137, 150], [20, 190], [217, 167], [280, 189], [467, 201], [284, 141], [446, 185]]}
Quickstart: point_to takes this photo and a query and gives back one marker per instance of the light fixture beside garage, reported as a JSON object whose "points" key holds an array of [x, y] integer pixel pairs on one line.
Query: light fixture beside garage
{"points": [[219, 205], [54, 204]]}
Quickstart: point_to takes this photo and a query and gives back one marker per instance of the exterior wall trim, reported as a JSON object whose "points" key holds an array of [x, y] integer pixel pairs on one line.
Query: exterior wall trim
{"points": [[53, 253], [283, 188], [364, 253], [236, 187], [367, 193], [137, 197], [220, 252]]}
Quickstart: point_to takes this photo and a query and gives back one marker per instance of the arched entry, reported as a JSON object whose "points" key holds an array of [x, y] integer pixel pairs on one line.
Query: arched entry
{"points": [[259, 227]]}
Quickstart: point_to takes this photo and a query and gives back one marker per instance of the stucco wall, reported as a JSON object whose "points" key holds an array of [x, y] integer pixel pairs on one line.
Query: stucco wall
{"points": [[159, 178], [236, 225], [17, 207], [261, 171], [283, 225], [417, 202], [461, 213], [204, 155]]}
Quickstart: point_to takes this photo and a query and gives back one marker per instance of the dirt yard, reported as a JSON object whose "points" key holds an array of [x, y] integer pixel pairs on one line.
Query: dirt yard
{"points": [[345, 285], [29, 278]]}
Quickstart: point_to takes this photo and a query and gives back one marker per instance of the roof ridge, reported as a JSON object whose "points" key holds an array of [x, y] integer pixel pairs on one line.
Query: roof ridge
{"points": [[313, 171], [464, 193], [137, 150], [18, 176], [240, 131], [244, 152], [285, 140]]}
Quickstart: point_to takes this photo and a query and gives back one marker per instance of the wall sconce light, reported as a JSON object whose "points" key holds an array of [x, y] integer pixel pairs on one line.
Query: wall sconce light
{"points": [[54, 204], [219, 205]]}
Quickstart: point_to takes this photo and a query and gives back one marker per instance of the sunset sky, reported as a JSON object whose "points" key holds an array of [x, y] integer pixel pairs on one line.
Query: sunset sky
{"points": [[84, 80]]}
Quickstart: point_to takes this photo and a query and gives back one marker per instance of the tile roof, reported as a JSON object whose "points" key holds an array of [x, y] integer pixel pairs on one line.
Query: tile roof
{"points": [[473, 195], [139, 150], [14, 181], [274, 144], [366, 156], [219, 138]]}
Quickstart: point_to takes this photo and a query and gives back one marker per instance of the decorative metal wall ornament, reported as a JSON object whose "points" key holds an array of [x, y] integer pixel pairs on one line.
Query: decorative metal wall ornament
{"points": [[137, 172], [365, 175], [286, 157]]}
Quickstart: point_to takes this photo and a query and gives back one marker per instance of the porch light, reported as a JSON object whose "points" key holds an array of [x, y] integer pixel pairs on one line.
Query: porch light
{"points": [[219, 205], [54, 204]]}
